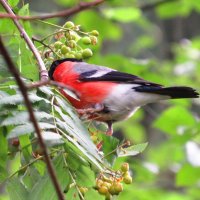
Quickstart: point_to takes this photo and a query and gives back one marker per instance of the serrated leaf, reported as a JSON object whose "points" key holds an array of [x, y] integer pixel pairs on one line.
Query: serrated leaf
{"points": [[23, 118], [16, 190], [46, 90], [133, 150], [110, 145], [3, 154], [76, 129], [72, 194], [3, 94], [27, 129], [31, 176], [44, 188], [89, 155], [85, 177], [51, 138], [40, 166], [16, 99], [93, 194], [26, 147]]}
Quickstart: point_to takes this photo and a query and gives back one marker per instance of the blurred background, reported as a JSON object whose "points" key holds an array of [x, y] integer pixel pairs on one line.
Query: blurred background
{"points": [[158, 41]]}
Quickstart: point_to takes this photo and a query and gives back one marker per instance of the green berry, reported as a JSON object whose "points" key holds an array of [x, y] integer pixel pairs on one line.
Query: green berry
{"points": [[93, 40], [126, 174], [87, 53], [112, 190], [69, 55], [103, 190], [94, 32], [115, 188], [124, 167], [78, 56], [65, 49], [99, 183], [69, 24], [118, 188], [86, 40], [106, 184], [94, 138], [83, 190], [71, 44], [57, 44], [127, 179]]}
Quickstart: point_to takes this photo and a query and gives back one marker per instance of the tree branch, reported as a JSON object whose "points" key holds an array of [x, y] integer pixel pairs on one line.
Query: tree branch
{"points": [[27, 102], [65, 13], [43, 71]]}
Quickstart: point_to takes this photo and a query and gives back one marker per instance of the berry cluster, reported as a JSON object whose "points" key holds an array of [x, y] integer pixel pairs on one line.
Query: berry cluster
{"points": [[83, 190], [112, 185], [70, 42]]}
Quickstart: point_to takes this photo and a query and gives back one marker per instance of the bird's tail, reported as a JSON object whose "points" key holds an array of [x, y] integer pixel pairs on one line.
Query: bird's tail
{"points": [[174, 92]]}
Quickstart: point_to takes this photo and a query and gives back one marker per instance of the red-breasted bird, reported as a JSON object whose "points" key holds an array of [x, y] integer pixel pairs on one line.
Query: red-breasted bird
{"points": [[107, 95]]}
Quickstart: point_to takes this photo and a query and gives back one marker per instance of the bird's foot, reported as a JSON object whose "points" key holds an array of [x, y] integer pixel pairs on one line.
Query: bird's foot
{"points": [[110, 128], [88, 111]]}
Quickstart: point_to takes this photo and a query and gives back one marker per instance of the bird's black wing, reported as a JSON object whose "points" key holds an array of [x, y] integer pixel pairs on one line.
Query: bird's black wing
{"points": [[115, 76]]}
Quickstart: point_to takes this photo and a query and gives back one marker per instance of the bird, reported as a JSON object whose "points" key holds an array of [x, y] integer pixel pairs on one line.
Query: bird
{"points": [[107, 95]]}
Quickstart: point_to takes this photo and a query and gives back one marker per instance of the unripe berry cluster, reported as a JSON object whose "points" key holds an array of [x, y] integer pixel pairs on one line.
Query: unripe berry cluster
{"points": [[71, 42], [112, 185], [83, 190]]}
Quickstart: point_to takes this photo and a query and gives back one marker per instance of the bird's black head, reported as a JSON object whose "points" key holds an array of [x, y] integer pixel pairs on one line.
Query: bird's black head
{"points": [[58, 62]]}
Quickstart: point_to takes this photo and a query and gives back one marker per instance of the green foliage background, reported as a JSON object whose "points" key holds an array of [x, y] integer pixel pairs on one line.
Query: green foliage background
{"points": [[152, 43]]}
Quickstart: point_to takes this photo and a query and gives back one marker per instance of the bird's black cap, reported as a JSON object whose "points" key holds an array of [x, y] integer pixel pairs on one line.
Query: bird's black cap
{"points": [[58, 62]]}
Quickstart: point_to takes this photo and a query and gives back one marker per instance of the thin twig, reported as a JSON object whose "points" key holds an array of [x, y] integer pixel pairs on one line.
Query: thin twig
{"points": [[34, 39], [64, 13], [43, 71], [73, 180], [80, 7], [27, 102], [28, 164]]}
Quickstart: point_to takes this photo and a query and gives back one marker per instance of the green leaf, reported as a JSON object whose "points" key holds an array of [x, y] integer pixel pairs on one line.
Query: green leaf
{"points": [[169, 10], [133, 150], [188, 176], [85, 177], [92, 194], [72, 194], [16, 190], [23, 117], [123, 14], [28, 129], [26, 147], [51, 138], [44, 188], [88, 17], [3, 154], [16, 99], [77, 130], [174, 120], [110, 145], [13, 3], [31, 175], [24, 11], [40, 166]]}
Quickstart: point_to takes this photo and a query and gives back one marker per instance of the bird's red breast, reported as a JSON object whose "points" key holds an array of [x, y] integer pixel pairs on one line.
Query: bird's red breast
{"points": [[89, 93]]}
